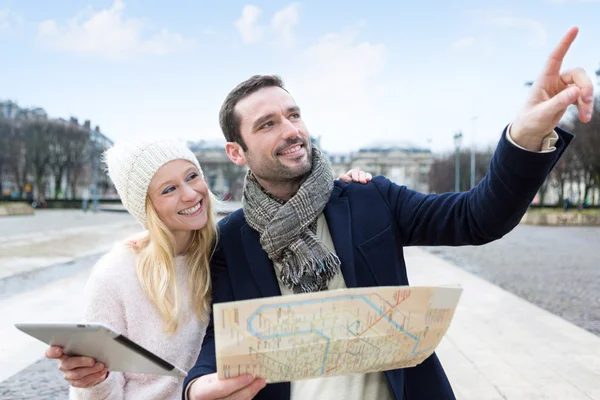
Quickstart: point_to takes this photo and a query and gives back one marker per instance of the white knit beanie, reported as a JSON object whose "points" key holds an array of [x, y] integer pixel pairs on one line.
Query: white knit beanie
{"points": [[131, 167]]}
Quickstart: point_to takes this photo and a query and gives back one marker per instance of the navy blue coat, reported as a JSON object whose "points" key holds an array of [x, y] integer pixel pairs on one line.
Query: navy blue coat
{"points": [[370, 225]]}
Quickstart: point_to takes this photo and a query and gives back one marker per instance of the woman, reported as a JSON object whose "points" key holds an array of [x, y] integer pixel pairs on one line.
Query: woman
{"points": [[155, 288]]}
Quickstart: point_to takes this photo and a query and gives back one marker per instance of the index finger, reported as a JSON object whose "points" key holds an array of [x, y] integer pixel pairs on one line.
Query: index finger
{"points": [[557, 56]]}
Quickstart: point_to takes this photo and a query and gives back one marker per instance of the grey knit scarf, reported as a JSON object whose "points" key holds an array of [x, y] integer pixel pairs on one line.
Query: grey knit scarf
{"points": [[287, 229]]}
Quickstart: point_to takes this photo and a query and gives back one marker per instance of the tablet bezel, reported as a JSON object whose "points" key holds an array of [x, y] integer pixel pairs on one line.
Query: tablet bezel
{"points": [[104, 344]]}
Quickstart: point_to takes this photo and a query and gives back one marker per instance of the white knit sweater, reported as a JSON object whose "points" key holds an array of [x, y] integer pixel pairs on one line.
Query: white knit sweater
{"points": [[114, 297]]}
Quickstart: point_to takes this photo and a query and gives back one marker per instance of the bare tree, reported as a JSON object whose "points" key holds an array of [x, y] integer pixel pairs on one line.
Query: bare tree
{"points": [[585, 150], [543, 191], [442, 171], [68, 155], [78, 155], [441, 175], [5, 132], [58, 149], [563, 173], [17, 159], [37, 150], [38, 138]]}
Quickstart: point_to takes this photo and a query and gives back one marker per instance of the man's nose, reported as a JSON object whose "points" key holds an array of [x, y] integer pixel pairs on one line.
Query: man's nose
{"points": [[289, 130]]}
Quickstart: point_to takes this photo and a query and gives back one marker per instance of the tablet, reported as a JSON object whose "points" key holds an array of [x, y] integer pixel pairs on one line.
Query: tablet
{"points": [[103, 344]]}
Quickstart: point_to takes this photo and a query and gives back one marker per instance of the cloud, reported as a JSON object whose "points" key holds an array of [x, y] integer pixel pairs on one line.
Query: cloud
{"points": [[283, 24], [280, 30], [463, 43], [107, 33], [334, 78], [337, 82], [4, 19], [8, 19], [537, 32], [345, 59], [248, 26]]}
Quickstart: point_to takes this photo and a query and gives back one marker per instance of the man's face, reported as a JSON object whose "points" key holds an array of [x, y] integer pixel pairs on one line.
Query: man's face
{"points": [[278, 144]]}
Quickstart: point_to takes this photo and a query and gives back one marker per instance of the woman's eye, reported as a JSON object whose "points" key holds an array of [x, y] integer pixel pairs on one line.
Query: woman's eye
{"points": [[168, 190], [191, 176]]}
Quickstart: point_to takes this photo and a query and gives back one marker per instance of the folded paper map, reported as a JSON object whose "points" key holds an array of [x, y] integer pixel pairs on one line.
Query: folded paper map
{"points": [[338, 332]]}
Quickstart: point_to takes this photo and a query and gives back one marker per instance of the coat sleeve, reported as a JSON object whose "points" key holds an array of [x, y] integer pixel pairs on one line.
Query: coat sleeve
{"points": [[222, 292], [485, 213]]}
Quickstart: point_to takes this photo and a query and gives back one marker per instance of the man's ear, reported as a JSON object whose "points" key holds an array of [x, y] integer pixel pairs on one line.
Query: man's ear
{"points": [[235, 153]]}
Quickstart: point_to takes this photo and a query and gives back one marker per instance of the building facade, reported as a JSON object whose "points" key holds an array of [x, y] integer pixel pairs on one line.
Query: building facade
{"points": [[67, 156], [223, 177], [403, 163]]}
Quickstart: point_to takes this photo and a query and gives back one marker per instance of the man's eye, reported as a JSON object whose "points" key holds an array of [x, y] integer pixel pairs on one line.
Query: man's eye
{"points": [[295, 115], [168, 190], [268, 124]]}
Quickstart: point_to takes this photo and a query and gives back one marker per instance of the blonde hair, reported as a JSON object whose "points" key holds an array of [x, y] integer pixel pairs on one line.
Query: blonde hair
{"points": [[156, 270]]}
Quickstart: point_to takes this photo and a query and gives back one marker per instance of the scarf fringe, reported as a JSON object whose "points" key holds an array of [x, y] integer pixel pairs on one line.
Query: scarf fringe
{"points": [[306, 263], [312, 275]]}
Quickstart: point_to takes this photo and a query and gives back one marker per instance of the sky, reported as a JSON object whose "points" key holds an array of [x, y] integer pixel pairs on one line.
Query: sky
{"points": [[363, 73]]}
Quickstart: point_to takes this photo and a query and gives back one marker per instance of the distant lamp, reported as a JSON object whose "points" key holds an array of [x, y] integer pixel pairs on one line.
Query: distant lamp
{"points": [[457, 142]]}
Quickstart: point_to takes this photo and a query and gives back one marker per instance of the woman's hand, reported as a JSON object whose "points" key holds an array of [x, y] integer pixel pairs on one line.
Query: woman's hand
{"points": [[80, 372], [356, 175]]}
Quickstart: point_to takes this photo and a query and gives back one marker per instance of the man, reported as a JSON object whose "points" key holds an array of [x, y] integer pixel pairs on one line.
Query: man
{"points": [[299, 232]]}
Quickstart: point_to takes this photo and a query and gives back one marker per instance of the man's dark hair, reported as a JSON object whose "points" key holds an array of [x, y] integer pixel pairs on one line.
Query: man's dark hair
{"points": [[228, 119]]}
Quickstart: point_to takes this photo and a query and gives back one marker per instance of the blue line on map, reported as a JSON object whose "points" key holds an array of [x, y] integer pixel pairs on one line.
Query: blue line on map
{"points": [[352, 297]]}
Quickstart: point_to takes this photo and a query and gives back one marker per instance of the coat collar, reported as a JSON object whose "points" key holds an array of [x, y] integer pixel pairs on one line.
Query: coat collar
{"points": [[339, 222], [260, 264], [337, 214]]}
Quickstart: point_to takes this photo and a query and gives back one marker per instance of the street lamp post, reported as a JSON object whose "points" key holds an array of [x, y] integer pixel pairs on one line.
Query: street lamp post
{"points": [[457, 142], [95, 167], [473, 154]]}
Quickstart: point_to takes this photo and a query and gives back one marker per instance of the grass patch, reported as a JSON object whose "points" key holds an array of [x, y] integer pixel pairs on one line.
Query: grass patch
{"points": [[540, 211]]}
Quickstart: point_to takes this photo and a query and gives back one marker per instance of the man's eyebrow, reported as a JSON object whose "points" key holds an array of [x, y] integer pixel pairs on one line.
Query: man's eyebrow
{"points": [[294, 109], [261, 121]]}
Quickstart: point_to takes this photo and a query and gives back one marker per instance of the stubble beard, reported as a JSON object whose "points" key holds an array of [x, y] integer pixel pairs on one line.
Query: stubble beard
{"points": [[278, 172]]}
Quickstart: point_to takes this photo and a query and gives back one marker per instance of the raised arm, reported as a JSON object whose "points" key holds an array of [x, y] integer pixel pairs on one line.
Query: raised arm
{"points": [[485, 213], [518, 168]]}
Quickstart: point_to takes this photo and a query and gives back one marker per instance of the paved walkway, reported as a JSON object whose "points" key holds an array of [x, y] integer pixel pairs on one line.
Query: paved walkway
{"points": [[59, 301], [502, 347], [58, 236], [554, 267], [48, 220], [498, 346]]}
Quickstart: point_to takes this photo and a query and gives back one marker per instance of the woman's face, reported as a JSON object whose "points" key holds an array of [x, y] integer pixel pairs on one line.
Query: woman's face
{"points": [[180, 196]]}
